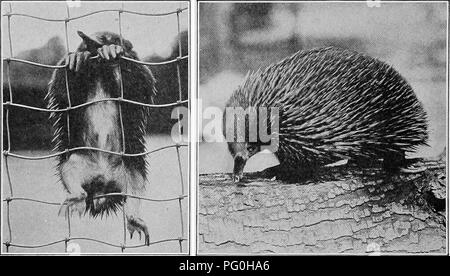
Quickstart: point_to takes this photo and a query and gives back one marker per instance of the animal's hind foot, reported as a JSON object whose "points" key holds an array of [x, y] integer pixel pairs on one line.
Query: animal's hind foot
{"points": [[73, 204], [138, 225], [287, 175], [268, 173], [393, 162]]}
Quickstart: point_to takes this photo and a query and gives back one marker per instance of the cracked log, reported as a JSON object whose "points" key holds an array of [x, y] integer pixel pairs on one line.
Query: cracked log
{"points": [[345, 210]]}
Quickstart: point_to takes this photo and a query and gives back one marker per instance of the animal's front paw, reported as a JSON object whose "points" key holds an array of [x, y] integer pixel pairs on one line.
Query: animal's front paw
{"points": [[108, 52], [75, 61], [73, 204], [138, 225]]}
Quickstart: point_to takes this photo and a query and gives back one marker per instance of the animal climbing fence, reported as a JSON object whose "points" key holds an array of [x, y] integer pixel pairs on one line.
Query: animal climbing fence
{"points": [[8, 154]]}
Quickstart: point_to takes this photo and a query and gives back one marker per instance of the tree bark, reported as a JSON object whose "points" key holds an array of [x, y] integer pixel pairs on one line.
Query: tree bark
{"points": [[344, 210]]}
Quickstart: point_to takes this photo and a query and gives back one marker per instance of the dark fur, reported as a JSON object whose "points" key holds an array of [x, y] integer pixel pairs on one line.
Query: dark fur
{"points": [[138, 85]]}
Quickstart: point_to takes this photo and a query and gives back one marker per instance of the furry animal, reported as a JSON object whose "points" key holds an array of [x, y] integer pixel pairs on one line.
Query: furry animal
{"points": [[88, 175]]}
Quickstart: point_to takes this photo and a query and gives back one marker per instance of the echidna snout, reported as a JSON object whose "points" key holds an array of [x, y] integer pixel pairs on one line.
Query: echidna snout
{"points": [[238, 169], [241, 152]]}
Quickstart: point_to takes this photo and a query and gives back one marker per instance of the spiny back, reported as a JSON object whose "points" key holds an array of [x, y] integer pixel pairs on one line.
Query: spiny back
{"points": [[336, 104]]}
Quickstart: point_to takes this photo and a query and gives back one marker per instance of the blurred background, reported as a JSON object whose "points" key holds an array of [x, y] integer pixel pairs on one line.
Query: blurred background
{"points": [[238, 37], [155, 39]]}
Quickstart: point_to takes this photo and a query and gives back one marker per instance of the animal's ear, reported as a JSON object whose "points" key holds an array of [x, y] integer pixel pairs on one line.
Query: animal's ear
{"points": [[91, 44]]}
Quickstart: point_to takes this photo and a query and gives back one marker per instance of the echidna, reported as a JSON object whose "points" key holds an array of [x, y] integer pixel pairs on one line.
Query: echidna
{"points": [[334, 104]]}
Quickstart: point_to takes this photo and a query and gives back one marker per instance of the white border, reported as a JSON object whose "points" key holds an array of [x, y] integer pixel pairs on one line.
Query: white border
{"points": [[193, 127], [447, 140], [188, 234]]}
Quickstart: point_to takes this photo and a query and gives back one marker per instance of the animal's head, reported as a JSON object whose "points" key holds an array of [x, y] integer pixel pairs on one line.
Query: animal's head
{"points": [[241, 152], [241, 137], [249, 127]]}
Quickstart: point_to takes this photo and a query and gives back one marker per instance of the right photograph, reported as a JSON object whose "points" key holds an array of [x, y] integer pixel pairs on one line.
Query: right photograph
{"points": [[323, 128]]}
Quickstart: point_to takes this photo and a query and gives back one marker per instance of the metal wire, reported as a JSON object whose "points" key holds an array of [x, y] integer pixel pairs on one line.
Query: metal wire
{"points": [[9, 200], [122, 128], [6, 153], [66, 75], [93, 102], [94, 57], [92, 240], [92, 13], [180, 98], [99, 196], [8, 71]]}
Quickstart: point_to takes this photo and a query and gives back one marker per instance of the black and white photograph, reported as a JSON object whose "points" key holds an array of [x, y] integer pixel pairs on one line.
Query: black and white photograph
{"points": [[224, 135], [95, 126], [323, 127]]}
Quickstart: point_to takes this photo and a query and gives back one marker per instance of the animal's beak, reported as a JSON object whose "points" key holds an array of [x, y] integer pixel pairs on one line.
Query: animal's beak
{"points": [[238, 170]]}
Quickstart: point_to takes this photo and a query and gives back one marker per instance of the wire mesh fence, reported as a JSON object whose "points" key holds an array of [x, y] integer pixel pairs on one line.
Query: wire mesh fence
{"points": [[12, 197]]}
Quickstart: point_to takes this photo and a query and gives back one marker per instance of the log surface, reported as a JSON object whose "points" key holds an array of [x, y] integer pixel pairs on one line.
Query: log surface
{"points": [[342, 212]]}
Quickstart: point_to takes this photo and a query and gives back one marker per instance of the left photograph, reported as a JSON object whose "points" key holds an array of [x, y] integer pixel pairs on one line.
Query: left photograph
{"points": [[95, 104]]}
